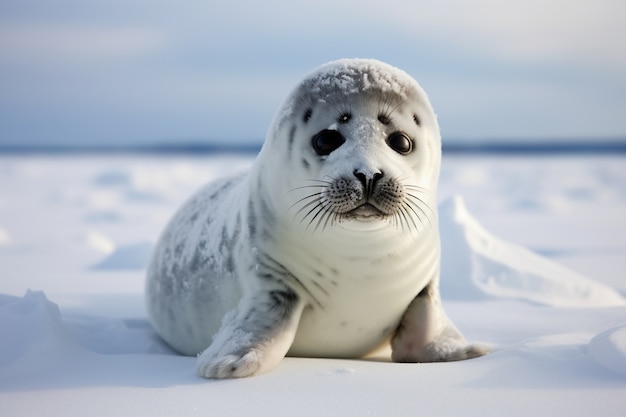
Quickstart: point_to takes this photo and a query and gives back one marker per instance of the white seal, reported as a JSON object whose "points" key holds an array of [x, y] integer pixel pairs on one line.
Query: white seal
{"points": [[327, 247]]}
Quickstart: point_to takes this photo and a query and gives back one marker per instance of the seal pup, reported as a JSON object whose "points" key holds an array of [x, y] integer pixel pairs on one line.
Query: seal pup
{"points": [[327, 247]]}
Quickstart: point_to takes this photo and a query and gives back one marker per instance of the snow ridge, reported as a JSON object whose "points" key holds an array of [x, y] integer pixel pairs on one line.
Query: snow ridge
{"points": [[478, 265]]}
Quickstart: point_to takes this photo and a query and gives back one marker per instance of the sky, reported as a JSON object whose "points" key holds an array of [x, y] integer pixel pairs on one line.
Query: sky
{"points": [[153, 71]]}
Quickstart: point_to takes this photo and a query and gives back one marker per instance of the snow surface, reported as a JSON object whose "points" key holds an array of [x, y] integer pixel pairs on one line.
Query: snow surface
{"points": [[547, 293]]}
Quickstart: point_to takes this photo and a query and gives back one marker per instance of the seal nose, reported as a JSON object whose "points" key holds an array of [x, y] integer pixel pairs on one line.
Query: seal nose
{"points": [[368, 180]]}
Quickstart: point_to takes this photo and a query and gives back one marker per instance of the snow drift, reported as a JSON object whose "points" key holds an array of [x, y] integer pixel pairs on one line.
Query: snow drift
{"points": [[478, 265]]}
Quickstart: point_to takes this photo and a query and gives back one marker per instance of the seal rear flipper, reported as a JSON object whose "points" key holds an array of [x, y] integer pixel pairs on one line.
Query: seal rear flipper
{"points": [[426, 334], [254, 337]]}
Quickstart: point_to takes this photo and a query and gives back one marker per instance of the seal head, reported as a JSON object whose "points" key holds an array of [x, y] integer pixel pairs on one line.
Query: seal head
{"points": [[366, 133]]}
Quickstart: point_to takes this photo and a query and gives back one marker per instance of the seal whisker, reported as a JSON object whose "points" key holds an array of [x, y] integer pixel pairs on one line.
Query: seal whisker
{"points": [[320, 183], [418, 202], [317, 206], [405, 210], [318, 209], [332, 218], [417, 197], [410, 205], [417, 188], [399, 220], [406, 219], [384, 110], [326, 216], [314, 196], [390, 105], [315, 201], [394, 108], [414, 191], [306, 186]]}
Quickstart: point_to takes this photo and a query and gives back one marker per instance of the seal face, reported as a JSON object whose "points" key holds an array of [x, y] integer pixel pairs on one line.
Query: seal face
{"points": [[327, 247]]}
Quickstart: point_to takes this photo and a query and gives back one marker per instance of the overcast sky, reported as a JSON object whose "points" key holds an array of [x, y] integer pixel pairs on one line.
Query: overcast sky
{"points": [[138, 71]]}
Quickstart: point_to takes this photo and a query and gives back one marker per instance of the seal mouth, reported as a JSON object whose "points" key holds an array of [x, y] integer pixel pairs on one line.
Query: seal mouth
{"points": [[365, 212]]}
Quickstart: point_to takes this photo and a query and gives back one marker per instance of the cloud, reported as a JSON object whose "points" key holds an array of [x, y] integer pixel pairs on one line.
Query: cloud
{"points": [[534, 31], [129, 69], [69, 45]]}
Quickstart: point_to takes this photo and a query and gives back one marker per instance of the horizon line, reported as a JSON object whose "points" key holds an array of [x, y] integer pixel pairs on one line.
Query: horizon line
{"points": [[534, 146]]}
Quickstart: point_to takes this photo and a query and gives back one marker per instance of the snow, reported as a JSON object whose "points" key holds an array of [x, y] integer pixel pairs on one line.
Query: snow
{"points": [[533, 264], [609, 349], [501, 269], [345, 75]]}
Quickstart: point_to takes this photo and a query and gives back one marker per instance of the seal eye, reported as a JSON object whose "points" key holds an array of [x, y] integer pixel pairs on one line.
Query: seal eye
{"points": [[327, 141], [400, 143]]}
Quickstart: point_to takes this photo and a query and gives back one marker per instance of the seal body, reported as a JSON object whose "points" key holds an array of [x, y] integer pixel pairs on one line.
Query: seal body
{"points": [[327, 247]]}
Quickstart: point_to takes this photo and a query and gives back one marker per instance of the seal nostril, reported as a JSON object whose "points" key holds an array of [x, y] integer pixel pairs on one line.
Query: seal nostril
{"points": [[368, 181], [361, 177]]}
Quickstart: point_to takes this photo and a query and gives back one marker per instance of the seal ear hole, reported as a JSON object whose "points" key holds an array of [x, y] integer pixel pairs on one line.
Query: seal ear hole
{"points": [[307, 115], [416, 119], [327, 141], [400, 142], [384, 119], [345, 118]]}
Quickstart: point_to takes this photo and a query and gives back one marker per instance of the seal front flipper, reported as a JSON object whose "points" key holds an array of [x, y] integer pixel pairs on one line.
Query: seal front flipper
{"points": [[254, 337], [426, 334]]}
